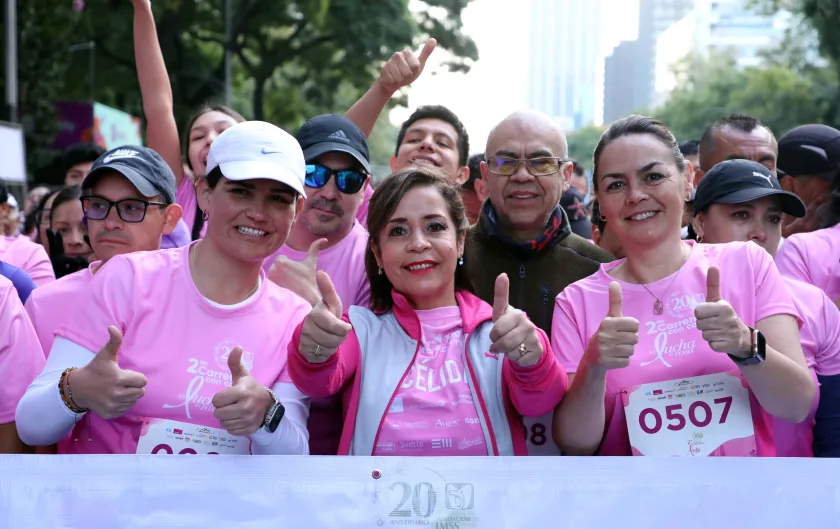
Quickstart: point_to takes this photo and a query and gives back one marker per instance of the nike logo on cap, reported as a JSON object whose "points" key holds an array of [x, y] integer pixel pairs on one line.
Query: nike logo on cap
{"points": [[269, 151], [120, 153]]}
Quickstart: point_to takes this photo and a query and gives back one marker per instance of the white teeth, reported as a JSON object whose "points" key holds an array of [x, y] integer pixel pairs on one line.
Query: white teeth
{"points": [[250, 231], [643, 216], [420, 266], [523, 196]]}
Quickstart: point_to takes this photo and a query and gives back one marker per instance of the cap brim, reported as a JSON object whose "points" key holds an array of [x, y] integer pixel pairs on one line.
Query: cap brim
{"points": [[322, 148], [146, 188], [791, 204], [254, 170]]}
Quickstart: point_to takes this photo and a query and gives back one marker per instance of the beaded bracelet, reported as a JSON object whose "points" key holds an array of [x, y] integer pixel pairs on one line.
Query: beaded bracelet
{"points": [[67, 397]]}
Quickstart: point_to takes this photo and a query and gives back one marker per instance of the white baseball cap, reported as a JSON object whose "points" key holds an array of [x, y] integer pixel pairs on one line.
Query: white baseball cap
{"points": [[256, 149]]}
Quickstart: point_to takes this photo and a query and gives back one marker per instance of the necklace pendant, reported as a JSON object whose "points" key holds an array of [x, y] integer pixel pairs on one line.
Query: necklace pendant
{"points": [[658, 307]]}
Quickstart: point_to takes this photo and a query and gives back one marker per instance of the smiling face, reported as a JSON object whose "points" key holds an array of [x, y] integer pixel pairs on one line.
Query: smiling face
{"points": [[419, 249], [251, 219], [433, 142], [641, 191], [204, 131], [759, 221], [327, 210]]}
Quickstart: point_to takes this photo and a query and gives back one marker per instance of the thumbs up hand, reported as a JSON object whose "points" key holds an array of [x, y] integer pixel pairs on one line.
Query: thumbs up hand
{"points": [[299, 277], [404, 67], [614, 343], [241, 408], [101, 386], [716, 319], [513, 334], [323, 329]]}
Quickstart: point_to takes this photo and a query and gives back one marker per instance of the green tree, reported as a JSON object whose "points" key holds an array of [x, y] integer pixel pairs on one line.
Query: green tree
{"points": [[582, 144]]}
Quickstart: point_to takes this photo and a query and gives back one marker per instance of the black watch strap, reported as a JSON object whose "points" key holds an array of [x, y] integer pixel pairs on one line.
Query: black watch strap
{"points": [[758, 349]]}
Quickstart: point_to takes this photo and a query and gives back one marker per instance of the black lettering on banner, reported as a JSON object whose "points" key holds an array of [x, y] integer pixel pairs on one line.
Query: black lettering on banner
{"points": [[416, 494], [538, 434]]}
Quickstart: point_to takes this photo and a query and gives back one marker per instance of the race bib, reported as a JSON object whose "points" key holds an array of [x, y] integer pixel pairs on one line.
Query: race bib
{"points": [[700, 416], [538, 436], [161, 436]]}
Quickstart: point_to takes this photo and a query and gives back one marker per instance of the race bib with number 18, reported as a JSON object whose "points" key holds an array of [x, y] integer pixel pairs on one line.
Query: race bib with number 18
{"points": [[699, 416], [161, 436]]}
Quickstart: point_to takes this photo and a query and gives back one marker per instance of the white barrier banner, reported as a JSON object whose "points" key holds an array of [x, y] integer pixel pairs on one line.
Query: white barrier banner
{"points": [[240, 492]]}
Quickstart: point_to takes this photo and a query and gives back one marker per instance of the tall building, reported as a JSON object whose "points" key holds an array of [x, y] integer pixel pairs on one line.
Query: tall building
{"points": [[619, 82], [564, 73]]}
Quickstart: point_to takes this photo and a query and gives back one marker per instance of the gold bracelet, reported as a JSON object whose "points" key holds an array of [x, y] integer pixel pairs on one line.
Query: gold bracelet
{"points": [[67, 397]]}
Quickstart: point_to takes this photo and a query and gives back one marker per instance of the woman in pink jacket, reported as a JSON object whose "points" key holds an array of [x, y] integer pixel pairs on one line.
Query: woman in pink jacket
{"points": [[430, 369]]}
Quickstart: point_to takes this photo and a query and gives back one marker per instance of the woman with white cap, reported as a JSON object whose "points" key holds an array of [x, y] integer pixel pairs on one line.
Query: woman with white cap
{"points": [[186, 362]]}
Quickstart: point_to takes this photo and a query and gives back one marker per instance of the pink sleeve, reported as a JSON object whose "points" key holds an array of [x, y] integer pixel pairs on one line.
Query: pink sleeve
{"points": [[771, 296], [361, 215], [21, 357], [538, 389], [185, 197], [792, 261], [566, 340], [39, 267], [33, 311], [328, 378], [109, 300], [828, 355]]}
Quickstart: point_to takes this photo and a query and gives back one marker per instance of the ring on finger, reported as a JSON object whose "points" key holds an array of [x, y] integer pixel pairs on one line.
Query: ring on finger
{"points": [[317, 351], [522, 350]]}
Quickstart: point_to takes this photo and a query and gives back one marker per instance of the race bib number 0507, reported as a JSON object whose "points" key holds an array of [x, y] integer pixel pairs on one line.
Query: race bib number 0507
{"points": [[161, 436], [700, 416]]}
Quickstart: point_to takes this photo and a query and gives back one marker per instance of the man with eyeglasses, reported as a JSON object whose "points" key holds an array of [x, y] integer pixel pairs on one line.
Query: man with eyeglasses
{"points": [[129, 203]]}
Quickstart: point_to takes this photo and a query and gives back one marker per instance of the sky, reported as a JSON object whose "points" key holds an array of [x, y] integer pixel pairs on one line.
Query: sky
{"points": [[501, 35]]}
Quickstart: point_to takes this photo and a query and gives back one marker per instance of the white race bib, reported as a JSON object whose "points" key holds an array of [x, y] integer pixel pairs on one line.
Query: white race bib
{"points": [[538, 436], [699, 416], [162, 436]]}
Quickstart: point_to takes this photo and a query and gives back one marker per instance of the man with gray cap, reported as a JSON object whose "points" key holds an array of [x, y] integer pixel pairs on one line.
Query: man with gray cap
{"points": [[327, 236], [128, 198], [809, 157]]}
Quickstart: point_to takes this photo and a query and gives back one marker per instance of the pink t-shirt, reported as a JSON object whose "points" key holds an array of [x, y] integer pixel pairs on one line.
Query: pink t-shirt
{"points": [[50, 305], [813, 258], [361, 215], [21, 358], [670, 347], [178, 339], [820, 337], [433, 413], [344, 263], [185, 197], [29, 257]]}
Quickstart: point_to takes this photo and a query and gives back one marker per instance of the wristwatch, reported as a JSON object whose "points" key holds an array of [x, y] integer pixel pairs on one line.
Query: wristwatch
{"points": [[274, 415], [758, 350]]}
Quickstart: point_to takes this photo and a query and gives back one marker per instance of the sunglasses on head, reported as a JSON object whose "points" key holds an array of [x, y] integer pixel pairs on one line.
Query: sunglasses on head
{"points": [[348, 181]]}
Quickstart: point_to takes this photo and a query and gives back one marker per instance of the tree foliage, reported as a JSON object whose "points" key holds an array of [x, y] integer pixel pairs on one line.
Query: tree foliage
{"points": [[292, 59], [582, 144]]}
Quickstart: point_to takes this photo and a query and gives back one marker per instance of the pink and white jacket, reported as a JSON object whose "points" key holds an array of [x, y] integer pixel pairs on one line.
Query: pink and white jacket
{"points": [[379, 352]]}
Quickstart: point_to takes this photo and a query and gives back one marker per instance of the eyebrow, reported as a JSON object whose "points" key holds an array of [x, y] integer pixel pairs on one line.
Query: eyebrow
{"points": [[402, 220], [204, 127], [423, 130], [644, 169]]}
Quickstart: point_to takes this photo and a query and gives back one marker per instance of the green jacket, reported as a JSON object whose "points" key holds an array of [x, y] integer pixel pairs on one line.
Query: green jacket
{"points": [[535, 279]]}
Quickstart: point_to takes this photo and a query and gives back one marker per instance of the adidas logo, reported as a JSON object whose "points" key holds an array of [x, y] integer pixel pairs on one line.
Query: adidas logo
{"points": [[339, 135], [120, 153]]}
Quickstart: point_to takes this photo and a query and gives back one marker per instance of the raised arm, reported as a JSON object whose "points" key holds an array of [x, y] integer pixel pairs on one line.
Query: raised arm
{"points": [[161, 129]]}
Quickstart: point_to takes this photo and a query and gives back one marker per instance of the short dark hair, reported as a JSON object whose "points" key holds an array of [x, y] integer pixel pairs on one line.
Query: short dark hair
{"points": [[474, 165], [577, 168], [4, 192], [637, 125], [601, 223], [80, 153], [444, 114], [224, 109], [690, 147], [385, 201], [66, 194], [834, 211], [741, 122]]}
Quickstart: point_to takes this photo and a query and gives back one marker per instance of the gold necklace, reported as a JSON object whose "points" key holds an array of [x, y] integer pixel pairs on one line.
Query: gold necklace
{"points": [[193, 266], [658, 306]]}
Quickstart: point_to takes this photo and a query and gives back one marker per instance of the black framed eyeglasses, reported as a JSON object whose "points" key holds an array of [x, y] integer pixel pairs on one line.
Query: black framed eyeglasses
{"points": [[536, 166], [129, 209], [348, 181]]}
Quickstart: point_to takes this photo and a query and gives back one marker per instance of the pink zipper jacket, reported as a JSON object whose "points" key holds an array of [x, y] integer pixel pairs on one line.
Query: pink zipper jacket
{"points": [[380, 350]]}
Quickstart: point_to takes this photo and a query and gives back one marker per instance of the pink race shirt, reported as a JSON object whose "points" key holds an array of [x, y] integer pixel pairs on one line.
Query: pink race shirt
{"points": [[50, 305], [361, 215], [185, 197], [21, 358], [433, 413], [344, 263], [820, 337], [178, 339], [684, 398], [29, 257], [813, 258]]}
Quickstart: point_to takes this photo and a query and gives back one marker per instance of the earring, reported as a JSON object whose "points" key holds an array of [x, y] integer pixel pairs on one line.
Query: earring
{"points": [[603, 218], [461, 260], [380, 270], [699, 239], [205, 216]]}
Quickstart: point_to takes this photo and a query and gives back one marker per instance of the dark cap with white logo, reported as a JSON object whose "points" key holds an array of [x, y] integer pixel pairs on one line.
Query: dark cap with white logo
{"points": [[739, 181], [333, 133], [143, 167]]}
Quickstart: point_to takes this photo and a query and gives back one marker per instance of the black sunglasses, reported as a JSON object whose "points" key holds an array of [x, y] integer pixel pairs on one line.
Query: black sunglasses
{"points": [[347, 181], [129, 209]]}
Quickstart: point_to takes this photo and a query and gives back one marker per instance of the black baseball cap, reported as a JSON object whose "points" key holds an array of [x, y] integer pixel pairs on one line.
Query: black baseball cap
{"points": [[143, 167], [333, 133], [739, 181], [810, 150]]}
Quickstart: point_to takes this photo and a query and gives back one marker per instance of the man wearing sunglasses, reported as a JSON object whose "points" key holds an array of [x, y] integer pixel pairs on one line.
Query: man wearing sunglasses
{"points": [[128, 200]]}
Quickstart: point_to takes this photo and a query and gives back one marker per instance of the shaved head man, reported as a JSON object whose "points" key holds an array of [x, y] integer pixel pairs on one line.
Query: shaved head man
{"points": [[737, 137]]}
